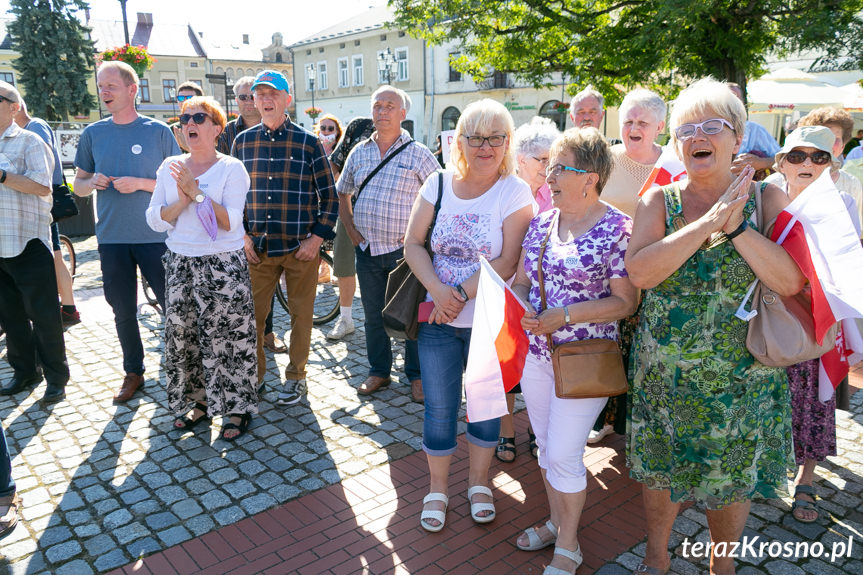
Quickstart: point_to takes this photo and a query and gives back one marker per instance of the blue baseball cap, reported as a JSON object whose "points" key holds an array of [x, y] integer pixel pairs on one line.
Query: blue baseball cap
{"points": [[273, 79]]}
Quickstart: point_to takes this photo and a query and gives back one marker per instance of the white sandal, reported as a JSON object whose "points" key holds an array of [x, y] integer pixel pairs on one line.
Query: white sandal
{"points": [[573, 555], [534, 541], [439, 516], [476, 508]]}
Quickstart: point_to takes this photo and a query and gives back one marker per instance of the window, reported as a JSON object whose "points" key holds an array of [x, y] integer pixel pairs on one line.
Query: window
{"points": [[449, 118], [498, 79], [193, 64], [278, 56], [145, 90], [344, 78], [555, 111], [169, 86], [454, 75], [402, 61], [358, 69], [323, 82], [7, 77]]}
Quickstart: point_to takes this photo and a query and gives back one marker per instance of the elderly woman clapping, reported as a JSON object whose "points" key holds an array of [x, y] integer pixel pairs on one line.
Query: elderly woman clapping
{"points": [[708, 422], [580, 246]]}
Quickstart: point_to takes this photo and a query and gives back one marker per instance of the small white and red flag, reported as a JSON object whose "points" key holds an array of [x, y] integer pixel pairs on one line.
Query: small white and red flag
{"points": [[817, 231], [668, 169], [498, 347]]}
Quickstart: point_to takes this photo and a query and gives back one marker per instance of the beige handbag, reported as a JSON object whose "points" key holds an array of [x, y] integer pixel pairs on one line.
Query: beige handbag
{"points": [[781, 329], [586, 368]]}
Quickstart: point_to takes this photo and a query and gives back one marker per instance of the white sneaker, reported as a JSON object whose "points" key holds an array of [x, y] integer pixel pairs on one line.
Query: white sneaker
{"points": [[342, 328], [596, 436]]}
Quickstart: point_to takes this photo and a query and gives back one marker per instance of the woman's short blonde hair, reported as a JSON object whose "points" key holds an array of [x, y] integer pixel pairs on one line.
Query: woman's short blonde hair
{"points": [[591, 151], [480, 117], [210, 106], [707, 96]]}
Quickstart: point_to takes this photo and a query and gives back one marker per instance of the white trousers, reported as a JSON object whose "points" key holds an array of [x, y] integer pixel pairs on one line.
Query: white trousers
{"points": [[561, 426]]}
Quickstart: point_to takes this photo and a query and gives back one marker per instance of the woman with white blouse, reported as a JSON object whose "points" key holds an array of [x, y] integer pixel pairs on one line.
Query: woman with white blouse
{"points": [[210, 346]]}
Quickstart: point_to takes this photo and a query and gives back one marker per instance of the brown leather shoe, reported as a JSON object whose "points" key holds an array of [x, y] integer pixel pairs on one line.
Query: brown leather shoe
{"points": [[417, 390], [9, 519], [372, 384], [274, 344], [131, 383]]}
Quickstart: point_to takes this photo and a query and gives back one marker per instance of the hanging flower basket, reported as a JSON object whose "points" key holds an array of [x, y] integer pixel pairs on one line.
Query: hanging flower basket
{"points": [[561, 107], [135, 56], [313, 112]]}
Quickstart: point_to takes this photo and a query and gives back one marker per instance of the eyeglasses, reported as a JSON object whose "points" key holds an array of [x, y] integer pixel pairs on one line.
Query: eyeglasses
{"points": [[818, 157], [198, 118], [558, 169], [245, 97], [327, 128], [543, 161], [495, 141], [707, 127], [183, 98]]}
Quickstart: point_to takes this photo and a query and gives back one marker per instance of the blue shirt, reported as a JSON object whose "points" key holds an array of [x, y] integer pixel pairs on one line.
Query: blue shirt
{"points": [[757, 138], [43, 130]]}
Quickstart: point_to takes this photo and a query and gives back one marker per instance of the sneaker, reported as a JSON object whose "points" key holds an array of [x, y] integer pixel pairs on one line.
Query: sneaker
{"points": [[292, 392], [596, 436], [342, 328], [70, 318]]}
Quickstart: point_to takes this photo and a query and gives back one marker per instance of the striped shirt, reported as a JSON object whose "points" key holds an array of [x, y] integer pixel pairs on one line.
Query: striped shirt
{"points": [[292, 194], [24, 217], [382, 211]]}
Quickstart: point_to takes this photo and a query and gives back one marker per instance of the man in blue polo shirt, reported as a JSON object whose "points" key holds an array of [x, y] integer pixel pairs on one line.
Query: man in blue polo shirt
{"points": [[119, 156]]}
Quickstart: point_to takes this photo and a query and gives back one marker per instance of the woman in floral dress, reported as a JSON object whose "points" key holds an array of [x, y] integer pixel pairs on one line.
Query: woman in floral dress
{"points": [[707, 421], [587, 292]]}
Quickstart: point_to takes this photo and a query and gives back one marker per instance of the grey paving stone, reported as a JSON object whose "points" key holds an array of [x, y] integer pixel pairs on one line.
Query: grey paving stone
{"points": [[258, 503], [229, 515], [174, 535], [111, 560], [116, 519], [130, 532], [78, 517], [199, 525], [171, 494], [223, 476], [95, 493], [99, 545], [54, 535], [134, 496], [142, 547], [162, 520], [106, 506], [63, 552], [87, 530], [186, 508], [780, 567], [71, 500], [157, 479], [147, 507], [215, 499], [77, 567]]}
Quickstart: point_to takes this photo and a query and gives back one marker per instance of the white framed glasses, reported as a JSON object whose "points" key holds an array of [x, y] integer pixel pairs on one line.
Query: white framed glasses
{"points": [[707, 127]]}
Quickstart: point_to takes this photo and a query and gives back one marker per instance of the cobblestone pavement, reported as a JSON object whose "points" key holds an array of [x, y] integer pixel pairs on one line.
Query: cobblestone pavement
{"points": [[103, 485]]}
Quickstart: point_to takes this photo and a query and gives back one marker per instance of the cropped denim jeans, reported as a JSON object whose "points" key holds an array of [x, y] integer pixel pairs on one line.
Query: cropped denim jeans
{"points": [[443, 354]]}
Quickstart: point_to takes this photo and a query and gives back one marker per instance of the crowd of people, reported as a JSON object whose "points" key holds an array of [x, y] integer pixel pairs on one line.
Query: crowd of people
{"points": [[213, 213]]}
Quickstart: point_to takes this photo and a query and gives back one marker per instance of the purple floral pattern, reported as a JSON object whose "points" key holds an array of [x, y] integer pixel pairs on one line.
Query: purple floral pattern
{"points": [[575, 271], [813, 423]]}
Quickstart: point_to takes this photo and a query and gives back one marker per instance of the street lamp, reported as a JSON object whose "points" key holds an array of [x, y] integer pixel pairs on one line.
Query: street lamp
{"points": [[172, 92], [387, 64], [311, 72]]}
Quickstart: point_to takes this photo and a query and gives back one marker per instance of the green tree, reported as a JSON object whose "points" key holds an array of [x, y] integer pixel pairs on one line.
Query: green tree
{"points": [[616, 44], [56, 57]]}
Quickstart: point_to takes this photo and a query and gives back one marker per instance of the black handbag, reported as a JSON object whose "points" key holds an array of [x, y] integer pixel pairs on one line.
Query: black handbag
{"points": [[64, 202], [405, 292]]}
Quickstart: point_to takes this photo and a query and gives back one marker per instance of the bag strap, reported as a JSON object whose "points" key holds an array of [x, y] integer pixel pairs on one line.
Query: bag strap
{"points": [[541, 279], [436, 210], [379, 167]]}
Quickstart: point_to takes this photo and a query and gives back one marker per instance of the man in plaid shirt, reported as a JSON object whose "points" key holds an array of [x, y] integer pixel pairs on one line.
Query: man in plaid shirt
{"points": [[291, 209], [377, 222], [29, 310]]}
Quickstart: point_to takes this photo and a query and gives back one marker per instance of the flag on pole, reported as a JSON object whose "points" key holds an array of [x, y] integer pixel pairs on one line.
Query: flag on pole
{"points": [[668, 169], [498, 347], [817, 231]]}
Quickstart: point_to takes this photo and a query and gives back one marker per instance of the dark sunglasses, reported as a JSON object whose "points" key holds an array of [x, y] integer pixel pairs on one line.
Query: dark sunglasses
{"points": [[184, 98], [245, 97], [818, 157], [327, 128], [197, 118]]}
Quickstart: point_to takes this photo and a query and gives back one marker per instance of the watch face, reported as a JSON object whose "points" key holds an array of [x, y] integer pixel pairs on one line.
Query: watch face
{"points": [[199, 198]]}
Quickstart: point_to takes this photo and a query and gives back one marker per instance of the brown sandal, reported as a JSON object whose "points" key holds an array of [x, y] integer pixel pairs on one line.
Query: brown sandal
{"points": [[9, 520]]}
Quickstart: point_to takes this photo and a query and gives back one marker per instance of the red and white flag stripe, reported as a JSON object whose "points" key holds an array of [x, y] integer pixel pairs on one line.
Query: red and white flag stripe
{"points": [[668, 169], [498, 347], [816, 230]]}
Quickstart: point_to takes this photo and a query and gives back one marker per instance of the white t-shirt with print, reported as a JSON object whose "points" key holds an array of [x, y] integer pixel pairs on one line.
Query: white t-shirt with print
{"points": [[466, 229]]}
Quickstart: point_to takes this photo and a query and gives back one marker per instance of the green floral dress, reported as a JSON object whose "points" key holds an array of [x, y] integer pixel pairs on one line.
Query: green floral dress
{"points": [[706, 420]]}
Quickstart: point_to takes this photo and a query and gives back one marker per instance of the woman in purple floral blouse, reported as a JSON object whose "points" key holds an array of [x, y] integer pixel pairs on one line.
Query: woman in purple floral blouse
{"points": [[587, 292]]}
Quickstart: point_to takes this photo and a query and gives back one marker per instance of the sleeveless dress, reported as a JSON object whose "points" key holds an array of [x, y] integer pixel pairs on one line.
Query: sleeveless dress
{"points": [[707, 421]]}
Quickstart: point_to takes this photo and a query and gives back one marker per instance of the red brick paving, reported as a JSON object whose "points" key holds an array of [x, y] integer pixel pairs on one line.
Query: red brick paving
{"points": [[370, 523]]}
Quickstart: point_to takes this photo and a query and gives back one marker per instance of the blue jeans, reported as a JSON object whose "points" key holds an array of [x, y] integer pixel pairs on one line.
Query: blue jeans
{"points": [[443, 357], [120, 283], [30, 315], [7, 484], [372, 273]]}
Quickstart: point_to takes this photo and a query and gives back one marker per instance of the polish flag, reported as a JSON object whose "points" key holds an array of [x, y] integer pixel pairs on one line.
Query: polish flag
{"points": [[498, 347], [668, 169], [817, 231]]}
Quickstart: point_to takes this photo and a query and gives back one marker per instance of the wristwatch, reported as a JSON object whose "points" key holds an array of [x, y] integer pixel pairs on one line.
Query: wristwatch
{"points": [[566, 319], [200, 198]]}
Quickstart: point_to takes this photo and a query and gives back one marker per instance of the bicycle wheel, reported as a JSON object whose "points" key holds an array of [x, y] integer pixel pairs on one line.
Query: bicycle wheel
{"points": [[67, 249], [150, 295], [326, 298]]}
